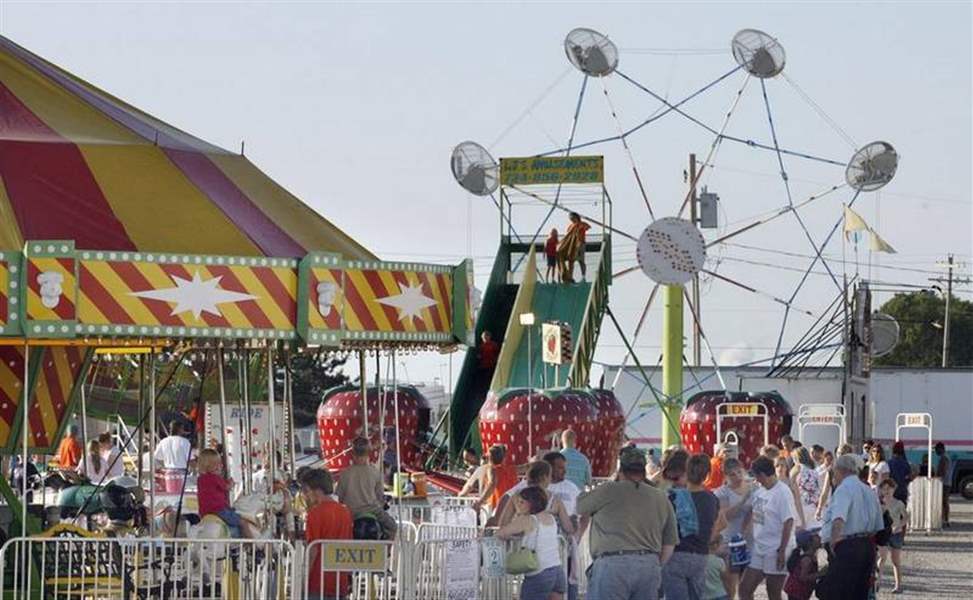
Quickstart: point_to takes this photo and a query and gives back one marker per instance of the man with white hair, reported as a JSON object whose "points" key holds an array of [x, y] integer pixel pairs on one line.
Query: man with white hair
{"points": [[851, 520]]}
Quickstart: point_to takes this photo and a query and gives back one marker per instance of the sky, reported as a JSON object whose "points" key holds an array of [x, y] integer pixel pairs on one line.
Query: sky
{"points": [[355, 108]]}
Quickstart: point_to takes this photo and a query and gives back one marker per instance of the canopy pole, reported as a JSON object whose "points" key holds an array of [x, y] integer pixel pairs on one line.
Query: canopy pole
{"points": [[289, 425], [272, 471], [140, 451], [248, 420], [221, 380], [152, 437], [241, 426], [366, 429], [25, 426], [395, 402], [380, 407], [84, 427]]}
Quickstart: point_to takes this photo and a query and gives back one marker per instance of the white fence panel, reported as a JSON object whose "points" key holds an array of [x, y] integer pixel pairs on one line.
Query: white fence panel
{"points": [[92, 567]]}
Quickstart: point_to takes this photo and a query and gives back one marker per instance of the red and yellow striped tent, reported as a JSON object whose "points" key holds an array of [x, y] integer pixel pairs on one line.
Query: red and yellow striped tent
{"points": [[77, 163]]}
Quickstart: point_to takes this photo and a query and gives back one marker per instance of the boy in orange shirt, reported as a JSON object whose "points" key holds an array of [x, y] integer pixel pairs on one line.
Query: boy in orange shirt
{"points": [[69, 451], [327, 519]]}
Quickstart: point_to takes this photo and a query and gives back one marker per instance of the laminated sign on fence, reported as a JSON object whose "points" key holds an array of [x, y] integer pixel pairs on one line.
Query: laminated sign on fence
{"points": [[493, 557], [462, 570]]}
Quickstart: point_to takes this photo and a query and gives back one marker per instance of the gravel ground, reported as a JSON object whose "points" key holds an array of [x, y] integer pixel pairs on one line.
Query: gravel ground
{"points": [[936, 566]]}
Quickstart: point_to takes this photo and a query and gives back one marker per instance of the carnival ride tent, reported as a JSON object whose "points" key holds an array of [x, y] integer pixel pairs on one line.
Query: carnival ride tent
{"points": [[77, 163]]}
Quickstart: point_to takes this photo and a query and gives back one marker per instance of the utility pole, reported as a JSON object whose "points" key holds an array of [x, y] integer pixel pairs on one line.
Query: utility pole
{"points": [[949, 293], [694, 218], [949, 265]]}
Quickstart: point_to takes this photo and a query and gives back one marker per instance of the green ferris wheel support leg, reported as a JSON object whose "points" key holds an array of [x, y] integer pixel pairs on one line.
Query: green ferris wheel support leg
{"points": [[672, 354]]}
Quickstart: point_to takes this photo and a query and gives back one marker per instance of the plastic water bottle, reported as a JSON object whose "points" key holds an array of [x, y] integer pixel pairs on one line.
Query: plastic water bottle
{"points": [[739, 554]]}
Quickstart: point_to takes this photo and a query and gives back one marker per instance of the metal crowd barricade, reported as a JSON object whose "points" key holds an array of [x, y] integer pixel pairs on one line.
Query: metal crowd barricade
{"points": [[450, 567], [99, 567], [925, 504], [352, 569]]}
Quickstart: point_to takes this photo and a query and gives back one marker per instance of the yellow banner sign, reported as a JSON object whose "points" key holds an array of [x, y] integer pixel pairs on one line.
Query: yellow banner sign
{"points": [[552, 169], [743, 409], [357, 556]]}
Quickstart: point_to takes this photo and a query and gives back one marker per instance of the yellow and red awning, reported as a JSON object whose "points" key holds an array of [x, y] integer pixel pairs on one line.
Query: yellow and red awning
{"points": [[77, 163]]}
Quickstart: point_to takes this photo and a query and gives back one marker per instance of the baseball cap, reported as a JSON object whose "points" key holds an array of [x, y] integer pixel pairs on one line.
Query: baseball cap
{"points": [[804, 536], [630, 459]]}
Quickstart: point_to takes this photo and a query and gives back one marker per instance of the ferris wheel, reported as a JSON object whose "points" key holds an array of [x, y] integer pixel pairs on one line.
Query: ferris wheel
{"points": [[674, 247]]}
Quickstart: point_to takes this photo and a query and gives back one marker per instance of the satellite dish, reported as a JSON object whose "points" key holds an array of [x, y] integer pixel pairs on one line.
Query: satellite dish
{"points": [[474, 169], [761, 55], [591, 52], [885, 334], [671, 250], [872, 167]]}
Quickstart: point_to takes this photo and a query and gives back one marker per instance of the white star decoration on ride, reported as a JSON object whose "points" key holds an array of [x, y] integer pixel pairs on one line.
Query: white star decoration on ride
{"points": [[410, 301], [196, 295]]}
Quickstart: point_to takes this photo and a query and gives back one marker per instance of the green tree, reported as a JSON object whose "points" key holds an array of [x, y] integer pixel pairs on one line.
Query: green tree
{"points": [[921, 317], [313, 374]]}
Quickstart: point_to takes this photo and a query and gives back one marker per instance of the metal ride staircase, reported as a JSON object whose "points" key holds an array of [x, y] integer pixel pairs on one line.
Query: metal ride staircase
{"points": [[513, 290]]}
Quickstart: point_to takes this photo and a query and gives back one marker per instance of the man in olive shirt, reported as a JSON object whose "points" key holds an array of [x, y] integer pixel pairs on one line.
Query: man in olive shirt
{"points": [[633, 533], [360, 488]]}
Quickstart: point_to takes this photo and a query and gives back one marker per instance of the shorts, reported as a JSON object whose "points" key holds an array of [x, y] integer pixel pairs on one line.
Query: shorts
{"points": [[541, 585], [766, 563], [897, 540], [552, 260], [232, 520]]}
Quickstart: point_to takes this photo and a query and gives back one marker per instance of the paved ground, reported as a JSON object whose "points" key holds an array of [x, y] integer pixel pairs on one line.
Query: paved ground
{"points": [[937, 566]]}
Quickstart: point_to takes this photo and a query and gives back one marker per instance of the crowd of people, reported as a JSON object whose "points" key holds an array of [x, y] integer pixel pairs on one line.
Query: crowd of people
{"points": [[705, 527]]}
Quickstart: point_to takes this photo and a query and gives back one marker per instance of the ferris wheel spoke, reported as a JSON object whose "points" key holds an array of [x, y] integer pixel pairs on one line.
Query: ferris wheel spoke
{"points": [[624, 272], [652, 118], [702, 334], [756, 291], [628, 151], [638, 330], [787, 185], [739, 140], [714, 147], [774, 215]]}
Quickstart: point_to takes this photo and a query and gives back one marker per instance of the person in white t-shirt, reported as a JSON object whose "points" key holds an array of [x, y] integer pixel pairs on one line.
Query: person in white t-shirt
{"points": [[93, 467], [111, 456], [773, 532], [878, 469], [173, 452]]}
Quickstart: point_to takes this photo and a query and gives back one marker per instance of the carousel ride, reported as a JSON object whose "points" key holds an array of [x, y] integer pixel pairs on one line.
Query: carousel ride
{"points": [[190, 287]]}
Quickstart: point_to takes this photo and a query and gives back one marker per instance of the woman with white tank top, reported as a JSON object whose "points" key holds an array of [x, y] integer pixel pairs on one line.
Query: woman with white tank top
{"points": [[539, 531]]}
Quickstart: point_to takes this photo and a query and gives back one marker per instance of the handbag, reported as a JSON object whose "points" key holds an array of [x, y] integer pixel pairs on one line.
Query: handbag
{"points": [[524, 559]]}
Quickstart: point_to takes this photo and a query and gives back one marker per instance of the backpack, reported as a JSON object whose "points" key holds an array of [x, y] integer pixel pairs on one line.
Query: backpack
{"points": [[685, 509]]}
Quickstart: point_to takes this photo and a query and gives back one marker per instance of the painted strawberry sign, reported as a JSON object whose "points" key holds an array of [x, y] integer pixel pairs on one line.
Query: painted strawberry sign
{"points": [[341, 415], [596, 417], [742, 413]]}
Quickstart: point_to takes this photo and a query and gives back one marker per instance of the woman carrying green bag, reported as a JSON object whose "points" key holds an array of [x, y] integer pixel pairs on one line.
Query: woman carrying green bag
{"points": [[538, 557]]}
